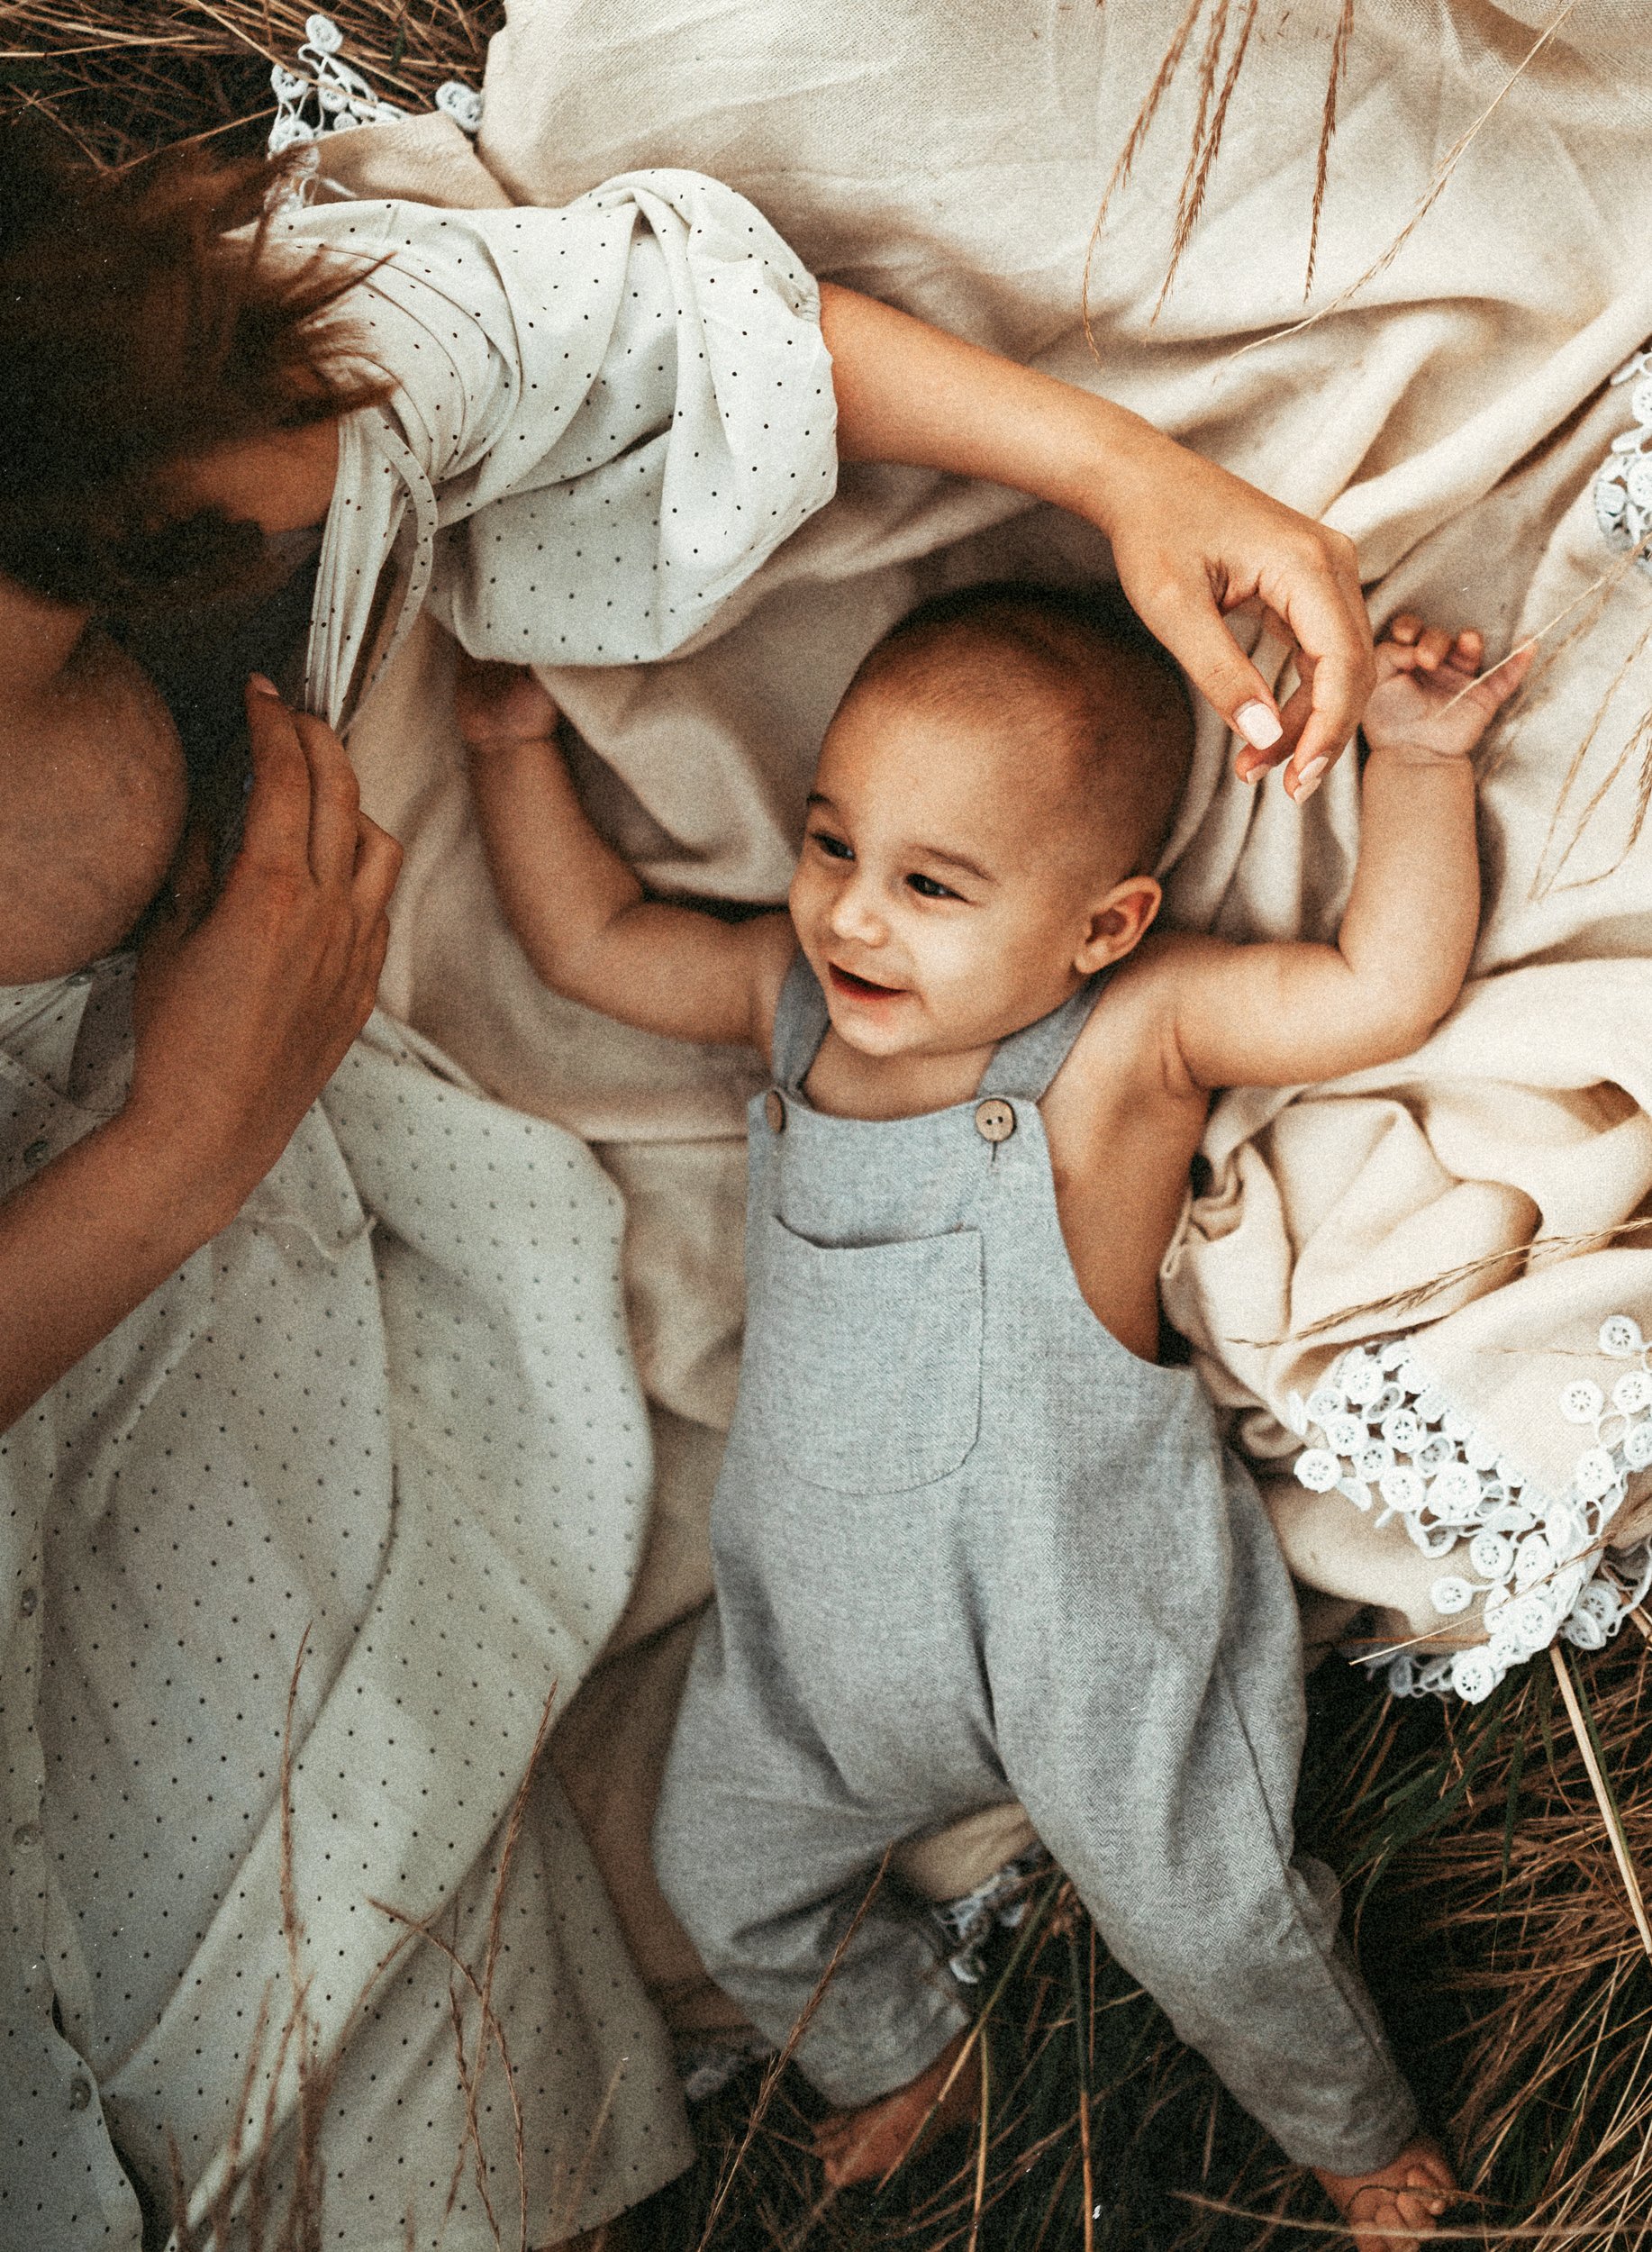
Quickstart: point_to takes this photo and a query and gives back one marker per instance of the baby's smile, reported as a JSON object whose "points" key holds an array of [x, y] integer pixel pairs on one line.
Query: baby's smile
{"points": [[854, 987]]}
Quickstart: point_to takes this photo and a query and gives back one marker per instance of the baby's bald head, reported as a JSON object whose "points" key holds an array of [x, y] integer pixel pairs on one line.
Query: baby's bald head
{"points": [[1094, 717]]}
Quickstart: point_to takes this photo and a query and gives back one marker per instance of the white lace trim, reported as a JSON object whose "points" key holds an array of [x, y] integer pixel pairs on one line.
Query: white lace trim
{"points": [[324, 95], [1623, 487], [1388, 1434]]}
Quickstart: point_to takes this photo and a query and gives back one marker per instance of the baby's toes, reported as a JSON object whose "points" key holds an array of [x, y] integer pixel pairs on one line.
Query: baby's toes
{"points": [[1424, 2183]]}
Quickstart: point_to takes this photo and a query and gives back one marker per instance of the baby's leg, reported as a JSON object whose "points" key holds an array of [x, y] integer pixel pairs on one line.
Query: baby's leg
{"points": [[1164, 1781], [772, 1864]]}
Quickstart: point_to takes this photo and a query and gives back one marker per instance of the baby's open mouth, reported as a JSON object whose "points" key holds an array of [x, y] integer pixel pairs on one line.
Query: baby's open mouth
{"points": [[860, 988]]}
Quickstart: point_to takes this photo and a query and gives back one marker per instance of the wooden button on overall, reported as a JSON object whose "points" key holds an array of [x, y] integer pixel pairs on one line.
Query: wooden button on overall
{"points": [[995, 1120], [773, 1111]]}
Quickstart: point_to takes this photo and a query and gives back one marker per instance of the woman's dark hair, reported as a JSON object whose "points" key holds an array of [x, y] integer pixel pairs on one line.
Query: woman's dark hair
{"points": [[144, 321]]}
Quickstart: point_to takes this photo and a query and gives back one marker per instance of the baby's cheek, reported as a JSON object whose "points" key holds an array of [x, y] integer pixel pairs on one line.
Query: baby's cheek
{"points": [[966, 966]]}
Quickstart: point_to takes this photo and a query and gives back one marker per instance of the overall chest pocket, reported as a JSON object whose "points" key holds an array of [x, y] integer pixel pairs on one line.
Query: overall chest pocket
{"points": [[864, 1364]]}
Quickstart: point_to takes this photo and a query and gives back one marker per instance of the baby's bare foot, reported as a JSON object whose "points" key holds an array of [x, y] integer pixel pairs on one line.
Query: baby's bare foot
{"points": [[1391, 2208], [866, 2144]]}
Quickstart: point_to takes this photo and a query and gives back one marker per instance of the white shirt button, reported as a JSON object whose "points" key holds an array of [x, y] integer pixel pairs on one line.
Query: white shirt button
{"points": [[995, 1120]]}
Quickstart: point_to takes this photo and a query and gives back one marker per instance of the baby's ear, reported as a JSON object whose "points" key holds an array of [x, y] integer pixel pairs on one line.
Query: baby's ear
{"points": [[1119, 922]]}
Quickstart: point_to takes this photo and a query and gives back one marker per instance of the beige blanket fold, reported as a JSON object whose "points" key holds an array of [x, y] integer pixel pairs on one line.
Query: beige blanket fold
{"points": [[1451, 414]]}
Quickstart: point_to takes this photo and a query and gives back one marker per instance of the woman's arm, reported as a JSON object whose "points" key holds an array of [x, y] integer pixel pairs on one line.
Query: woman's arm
{"points": [[240, 1023], [1277, 1015], [1191, 540], [577, 909]]}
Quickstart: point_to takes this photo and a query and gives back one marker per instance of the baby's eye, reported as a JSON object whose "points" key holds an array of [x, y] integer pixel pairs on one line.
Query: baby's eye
{"points": [[926, 887], [832, 847]]}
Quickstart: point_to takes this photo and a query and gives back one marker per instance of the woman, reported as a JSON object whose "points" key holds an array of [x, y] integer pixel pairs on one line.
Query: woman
{"points": [[307, 1517]]}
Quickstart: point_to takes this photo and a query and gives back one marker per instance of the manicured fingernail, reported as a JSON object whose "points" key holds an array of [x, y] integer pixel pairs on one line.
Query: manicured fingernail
{"points": [[1308, 780], [264, 687], [1258, 725]]}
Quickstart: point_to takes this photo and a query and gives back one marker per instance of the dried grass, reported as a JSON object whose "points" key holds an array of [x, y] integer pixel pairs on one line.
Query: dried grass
{"points": [[125, 78]]}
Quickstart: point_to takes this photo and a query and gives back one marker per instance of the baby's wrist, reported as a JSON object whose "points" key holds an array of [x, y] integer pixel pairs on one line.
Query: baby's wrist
{"points": [[499, 746], [1401, 750]]}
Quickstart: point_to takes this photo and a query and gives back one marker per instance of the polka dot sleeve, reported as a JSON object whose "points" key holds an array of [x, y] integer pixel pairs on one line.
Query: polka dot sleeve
{"points": [[607, 416]]}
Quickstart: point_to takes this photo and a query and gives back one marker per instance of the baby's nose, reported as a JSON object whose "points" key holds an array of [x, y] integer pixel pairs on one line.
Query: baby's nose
{"points": [[854, 915]]}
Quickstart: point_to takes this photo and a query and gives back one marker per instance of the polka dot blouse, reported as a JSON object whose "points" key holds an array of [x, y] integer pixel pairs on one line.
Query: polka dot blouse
{"points": [[606, 417], [386, 1420]]}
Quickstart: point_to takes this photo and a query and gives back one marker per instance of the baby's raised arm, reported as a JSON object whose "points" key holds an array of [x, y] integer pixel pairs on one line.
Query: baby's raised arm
{"points": [[578, 912], [1274, 1015]]}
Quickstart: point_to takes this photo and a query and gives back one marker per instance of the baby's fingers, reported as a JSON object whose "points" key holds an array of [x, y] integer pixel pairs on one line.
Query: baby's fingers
{"points": [[1496, 686]]}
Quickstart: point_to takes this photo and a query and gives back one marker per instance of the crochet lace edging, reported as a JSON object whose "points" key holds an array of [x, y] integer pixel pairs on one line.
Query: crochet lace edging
{"points": [[322, 94], [1389, 1436], [1623, 483]]}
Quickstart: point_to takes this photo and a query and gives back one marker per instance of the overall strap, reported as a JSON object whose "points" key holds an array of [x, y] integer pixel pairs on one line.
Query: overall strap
{"points": [[1025, 1064], [801, 1019]]}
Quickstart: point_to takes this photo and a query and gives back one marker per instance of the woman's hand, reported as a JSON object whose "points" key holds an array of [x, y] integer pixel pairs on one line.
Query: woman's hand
{"points": [[1191, 542], [243, 1016]]}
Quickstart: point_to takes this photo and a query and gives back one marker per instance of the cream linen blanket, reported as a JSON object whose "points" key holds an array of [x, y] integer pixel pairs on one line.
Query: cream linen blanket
{"points": [[1451, 415]]}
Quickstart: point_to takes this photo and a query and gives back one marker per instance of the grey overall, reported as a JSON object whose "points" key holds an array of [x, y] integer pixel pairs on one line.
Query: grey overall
{"points": [[969, 1547]]}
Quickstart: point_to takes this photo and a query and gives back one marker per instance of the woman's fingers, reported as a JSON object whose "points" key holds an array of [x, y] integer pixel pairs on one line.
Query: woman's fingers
{"points": [[1321, 610], [277, 831], [304, 804], [377, 864], [335, 801], [1182, 613], [1333, 634]]}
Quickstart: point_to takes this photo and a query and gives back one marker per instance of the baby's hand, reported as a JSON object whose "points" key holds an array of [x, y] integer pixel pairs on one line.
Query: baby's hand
{"points": [[1431, 698], [500, 704]]}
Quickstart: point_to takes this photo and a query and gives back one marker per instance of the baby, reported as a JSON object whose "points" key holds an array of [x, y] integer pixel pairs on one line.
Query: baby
{"points": [[972, 1540], [93, 793]]}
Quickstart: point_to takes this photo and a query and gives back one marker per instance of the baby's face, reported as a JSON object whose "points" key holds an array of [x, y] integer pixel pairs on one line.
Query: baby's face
{"points": [[950, 880], [92, 797]]}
